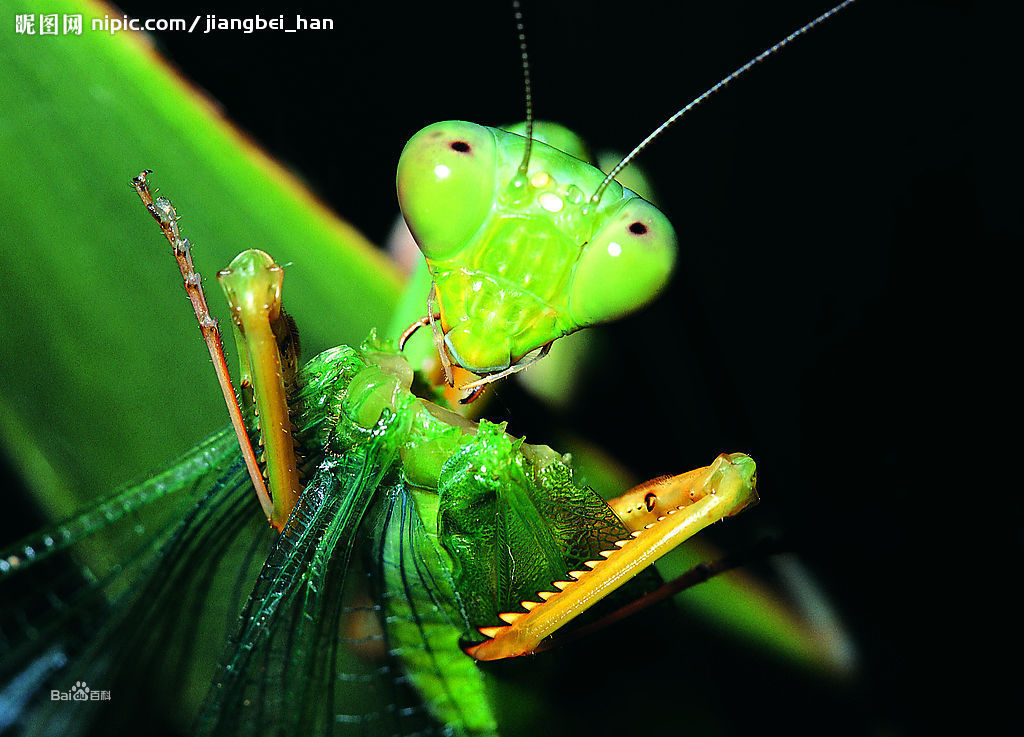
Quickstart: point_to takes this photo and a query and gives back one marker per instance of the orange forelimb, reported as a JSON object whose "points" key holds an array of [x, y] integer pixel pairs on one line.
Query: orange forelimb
{"points": [[707, 495]]}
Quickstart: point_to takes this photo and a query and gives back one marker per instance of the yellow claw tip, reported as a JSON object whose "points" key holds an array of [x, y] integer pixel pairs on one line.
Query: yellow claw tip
{"points": [[591, 563], [622, 543], [489, 631], [529, 605], [545, 595], [562, 585], [607, 553], [510, 617], [638, 533], [576, 574]]}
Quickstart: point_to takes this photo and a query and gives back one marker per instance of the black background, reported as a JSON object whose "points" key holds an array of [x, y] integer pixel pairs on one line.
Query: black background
{"points": [[838, 229]]}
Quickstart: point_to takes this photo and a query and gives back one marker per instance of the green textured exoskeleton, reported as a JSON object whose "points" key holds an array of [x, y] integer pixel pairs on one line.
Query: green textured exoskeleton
{"points": [[521, 258]]}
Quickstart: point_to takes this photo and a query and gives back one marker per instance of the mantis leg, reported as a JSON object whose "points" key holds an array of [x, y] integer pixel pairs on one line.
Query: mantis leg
{"points": [[268, 349], [268, 355], [681, 506], [411, 330]]}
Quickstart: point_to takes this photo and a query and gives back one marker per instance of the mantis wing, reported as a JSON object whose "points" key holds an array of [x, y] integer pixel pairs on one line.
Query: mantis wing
{"points": [[290, 669], [103, 588]]}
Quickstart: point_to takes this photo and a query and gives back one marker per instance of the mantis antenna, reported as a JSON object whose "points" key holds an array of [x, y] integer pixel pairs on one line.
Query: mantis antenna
{"points": [[527, 86], [596, 197]]}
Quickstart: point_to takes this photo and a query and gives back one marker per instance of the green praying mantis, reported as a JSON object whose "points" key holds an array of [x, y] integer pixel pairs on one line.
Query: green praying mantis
{"points": [[362, 426]]}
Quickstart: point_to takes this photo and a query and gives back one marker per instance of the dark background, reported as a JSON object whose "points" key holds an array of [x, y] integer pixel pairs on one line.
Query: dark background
{"points": [[837, 226]]}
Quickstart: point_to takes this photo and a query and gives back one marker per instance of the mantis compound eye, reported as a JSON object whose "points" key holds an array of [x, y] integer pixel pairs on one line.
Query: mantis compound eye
{"points": [[446, 182], [625, 265]]}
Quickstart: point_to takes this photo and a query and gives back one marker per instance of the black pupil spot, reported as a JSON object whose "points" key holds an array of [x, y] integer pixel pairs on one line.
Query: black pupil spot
{"points": [[460, 146], [638, 228]]}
